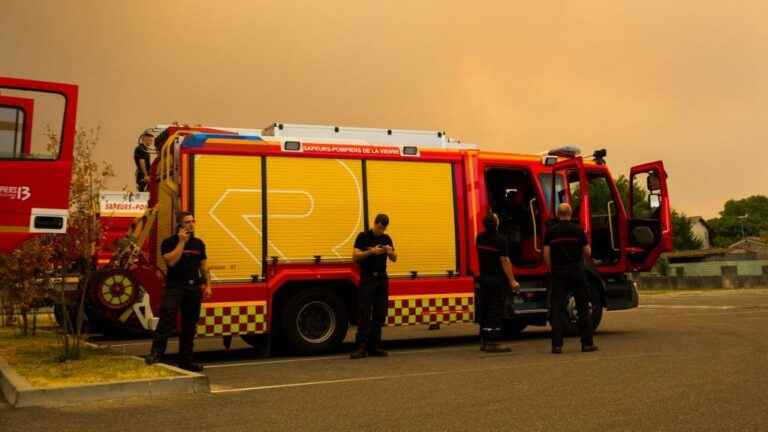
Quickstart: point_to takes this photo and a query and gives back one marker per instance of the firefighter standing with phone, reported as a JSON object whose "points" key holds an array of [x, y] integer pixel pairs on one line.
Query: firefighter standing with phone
{"points": [[187, 283], [372, 249]]}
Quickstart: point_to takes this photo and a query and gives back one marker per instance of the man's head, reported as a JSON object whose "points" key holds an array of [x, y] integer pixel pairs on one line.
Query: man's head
{"points": [[491, 222], [564, 212], [380, 223], [186, 220], [147, 140]]}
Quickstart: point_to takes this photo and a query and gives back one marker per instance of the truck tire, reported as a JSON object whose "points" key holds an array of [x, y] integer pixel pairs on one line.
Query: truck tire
{"points": [[314, 321], [570, 313]]}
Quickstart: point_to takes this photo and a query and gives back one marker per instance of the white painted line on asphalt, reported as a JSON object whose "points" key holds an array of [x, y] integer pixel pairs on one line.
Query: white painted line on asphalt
{"points": [[148, 342], [270, 362], [336, 357], [430, 373], [659, 306]]}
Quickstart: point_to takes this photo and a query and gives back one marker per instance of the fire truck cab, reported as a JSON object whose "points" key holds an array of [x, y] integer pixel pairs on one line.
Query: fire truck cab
{"points": [[279, 210], [37, 128]]}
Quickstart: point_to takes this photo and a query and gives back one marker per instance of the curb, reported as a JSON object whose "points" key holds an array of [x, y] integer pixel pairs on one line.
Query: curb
{"points": [[19, 393]]}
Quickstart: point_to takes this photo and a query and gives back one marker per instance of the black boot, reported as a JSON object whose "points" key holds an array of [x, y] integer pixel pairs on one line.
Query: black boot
{"points": [[494, 348], [589, 348], [359, 353], [153, 358], [377, 352]]}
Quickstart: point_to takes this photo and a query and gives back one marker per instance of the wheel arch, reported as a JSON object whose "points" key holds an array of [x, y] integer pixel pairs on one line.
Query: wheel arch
{"points": [[344, 288]]}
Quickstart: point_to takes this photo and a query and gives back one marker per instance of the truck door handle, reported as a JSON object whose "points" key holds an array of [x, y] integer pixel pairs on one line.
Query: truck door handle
{"points": [[610, 226], [535, 230]]}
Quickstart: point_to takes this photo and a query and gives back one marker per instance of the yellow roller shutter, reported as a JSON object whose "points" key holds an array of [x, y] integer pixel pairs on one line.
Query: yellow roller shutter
{"points": [[227, 206], [314, 206], [418, 197]]}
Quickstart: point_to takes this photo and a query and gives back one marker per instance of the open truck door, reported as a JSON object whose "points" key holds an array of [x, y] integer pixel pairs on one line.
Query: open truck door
{"points": [[570, 185], [650, 218], [35, 169]]}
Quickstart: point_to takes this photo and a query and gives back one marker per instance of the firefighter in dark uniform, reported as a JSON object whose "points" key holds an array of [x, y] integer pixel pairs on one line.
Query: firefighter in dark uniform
{"points": [[142, 160], [495, 278], [372, 248], [565, 250], [187, 282]]}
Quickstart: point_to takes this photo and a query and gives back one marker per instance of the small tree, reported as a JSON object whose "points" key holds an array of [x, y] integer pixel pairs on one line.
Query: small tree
{"points": [[682, 234], [25, 282], [75, 251], [740, 218]]}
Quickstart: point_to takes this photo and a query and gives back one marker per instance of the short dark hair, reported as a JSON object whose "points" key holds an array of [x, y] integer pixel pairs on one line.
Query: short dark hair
{"points": [[489, 222], [181, 215], [381, 218]]}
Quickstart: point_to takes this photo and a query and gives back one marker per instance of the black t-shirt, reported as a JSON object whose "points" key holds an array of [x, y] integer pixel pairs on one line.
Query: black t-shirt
{"points": [[491, 247], [139, 154], [566, 240], [187, 270], [374, 263]]}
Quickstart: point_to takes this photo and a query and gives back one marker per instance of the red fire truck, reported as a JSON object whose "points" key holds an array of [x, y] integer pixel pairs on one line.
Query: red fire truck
{"points": [[279, 210], [34, 172]]}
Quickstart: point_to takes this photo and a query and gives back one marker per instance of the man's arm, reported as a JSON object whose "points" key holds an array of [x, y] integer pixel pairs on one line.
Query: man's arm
{"points": [[144, 168], [507, 266], [358, 254], [587, 249], [391, 252], [207, 290], [173, 257], [547, 257]]}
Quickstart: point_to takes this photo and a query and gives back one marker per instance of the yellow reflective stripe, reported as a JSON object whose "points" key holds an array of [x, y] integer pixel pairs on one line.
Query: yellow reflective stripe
{"points": [[13, 229]]}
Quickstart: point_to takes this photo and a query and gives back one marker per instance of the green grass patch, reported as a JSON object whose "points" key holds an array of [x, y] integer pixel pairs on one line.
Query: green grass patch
{"points": [[36, 358]]}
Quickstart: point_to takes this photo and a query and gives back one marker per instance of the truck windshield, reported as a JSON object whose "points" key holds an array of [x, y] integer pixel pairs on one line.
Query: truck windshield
{"points": [[30, 124]]}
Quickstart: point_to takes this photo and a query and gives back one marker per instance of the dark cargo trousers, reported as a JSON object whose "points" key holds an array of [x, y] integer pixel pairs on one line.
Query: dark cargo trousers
{"points": [[184, 298], [492, 297], [372, 301], [564, 281]]}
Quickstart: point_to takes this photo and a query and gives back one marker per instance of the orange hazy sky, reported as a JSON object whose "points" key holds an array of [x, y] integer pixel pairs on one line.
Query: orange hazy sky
{"points": [[683, 81]]}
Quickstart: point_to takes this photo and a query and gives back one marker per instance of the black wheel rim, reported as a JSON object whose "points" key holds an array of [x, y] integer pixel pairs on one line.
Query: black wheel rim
{"points": [[571, 311], [316, 322]]}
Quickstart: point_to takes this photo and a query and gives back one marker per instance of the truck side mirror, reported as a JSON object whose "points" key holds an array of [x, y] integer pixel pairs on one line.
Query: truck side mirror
{"points": [[653, 183]]}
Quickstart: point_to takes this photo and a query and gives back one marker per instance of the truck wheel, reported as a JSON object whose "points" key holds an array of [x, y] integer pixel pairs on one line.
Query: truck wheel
{"points": [[314, 321], [513, 328], [570, 314]]}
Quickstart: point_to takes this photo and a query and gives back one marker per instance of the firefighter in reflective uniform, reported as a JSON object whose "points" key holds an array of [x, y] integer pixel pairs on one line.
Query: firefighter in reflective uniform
{"points": [[565, 250], [495, 278]]}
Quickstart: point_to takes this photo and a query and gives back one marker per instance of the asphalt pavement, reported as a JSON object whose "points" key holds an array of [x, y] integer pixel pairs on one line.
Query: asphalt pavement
{"points": [[682, 361]]}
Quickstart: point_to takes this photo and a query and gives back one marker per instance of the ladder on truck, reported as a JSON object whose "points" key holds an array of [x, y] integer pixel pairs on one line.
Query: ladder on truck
{"points": [[369, 136]]}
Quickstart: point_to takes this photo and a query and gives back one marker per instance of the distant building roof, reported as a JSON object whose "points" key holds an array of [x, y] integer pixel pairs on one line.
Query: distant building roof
{"points": [[697, 254], [750, 244], [694, 219]]}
